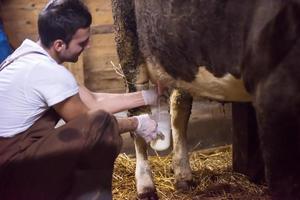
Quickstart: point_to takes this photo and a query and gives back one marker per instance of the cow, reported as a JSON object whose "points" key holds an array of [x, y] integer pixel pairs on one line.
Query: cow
{"points": [[231, 50]]}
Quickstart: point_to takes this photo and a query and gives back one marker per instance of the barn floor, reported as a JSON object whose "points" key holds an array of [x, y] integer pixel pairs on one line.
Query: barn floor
{"points": [[209, 139], [212, 174]]}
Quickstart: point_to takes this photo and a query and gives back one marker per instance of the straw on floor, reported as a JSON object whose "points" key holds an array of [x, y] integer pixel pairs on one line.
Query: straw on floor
{"points": [[211, 171]]}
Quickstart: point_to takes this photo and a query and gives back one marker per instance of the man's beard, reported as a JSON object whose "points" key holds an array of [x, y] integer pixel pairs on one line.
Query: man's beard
{"points": [[73, 59]]}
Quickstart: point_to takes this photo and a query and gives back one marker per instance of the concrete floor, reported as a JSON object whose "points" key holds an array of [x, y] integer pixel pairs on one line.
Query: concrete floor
{"points": [[209, 126]]}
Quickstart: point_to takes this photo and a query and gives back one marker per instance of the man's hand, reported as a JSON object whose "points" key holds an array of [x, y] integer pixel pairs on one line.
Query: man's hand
{"points": [[147, 127], [150, 96]]}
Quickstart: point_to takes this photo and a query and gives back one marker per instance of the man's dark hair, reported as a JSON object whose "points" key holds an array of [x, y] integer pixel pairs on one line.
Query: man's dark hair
{"points": [[60, 19]]}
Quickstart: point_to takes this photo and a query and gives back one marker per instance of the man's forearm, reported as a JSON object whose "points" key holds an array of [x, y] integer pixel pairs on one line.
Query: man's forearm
{"points": [[119, 102], [127, 124], [112, 103], [142, 125]]}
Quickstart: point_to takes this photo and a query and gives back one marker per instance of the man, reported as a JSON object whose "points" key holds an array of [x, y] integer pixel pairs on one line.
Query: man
{"points": [[74, 161]]}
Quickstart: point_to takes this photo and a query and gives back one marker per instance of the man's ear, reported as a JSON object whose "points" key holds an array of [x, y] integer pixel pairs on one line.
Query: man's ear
{"points": [[59, 45]]}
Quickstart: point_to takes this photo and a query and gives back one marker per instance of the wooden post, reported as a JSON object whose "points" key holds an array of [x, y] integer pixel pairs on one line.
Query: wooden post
{"points": [[247, 157]]}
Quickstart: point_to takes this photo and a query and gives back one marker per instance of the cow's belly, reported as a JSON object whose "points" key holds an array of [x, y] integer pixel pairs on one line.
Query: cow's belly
{"points": [[226, 88]]}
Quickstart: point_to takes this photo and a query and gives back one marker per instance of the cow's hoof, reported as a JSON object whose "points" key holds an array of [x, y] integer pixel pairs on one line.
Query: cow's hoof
{"points": [[185, 185], [149, 195]]}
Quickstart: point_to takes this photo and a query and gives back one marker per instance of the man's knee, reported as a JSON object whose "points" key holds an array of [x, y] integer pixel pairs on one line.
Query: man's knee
{"points": [[104, 130]]}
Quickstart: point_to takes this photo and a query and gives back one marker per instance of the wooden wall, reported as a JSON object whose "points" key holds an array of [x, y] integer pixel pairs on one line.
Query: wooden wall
{"points": [[94, 67]]}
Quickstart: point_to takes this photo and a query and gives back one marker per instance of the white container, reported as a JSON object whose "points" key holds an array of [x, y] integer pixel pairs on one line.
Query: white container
{"points": [[162, 142]]}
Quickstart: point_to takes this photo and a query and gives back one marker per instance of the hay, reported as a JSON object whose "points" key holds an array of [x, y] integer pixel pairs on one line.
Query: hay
{"points": [[211, 171]]}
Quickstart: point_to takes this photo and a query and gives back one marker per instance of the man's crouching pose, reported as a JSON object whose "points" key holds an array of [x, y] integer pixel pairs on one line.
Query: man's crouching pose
{"points": [[75, 160]]}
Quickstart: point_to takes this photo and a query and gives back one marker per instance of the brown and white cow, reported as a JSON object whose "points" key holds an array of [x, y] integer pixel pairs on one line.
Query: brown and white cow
{"points": [[216, 49]]}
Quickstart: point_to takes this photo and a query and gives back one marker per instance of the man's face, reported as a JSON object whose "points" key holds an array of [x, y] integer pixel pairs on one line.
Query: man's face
{"points": [[79, 42]]}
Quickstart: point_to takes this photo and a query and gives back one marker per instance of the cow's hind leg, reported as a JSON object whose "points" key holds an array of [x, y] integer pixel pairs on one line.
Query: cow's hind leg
{"points": [[277, 103], [144, 183], [181, 105]]}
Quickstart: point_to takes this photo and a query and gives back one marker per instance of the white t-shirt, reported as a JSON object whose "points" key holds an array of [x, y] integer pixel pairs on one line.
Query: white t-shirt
{"points": [[29, 86]]}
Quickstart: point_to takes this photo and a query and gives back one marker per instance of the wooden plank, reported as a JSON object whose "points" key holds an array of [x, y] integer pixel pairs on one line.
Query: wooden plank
{"points": [[110, 85], [24, 4], [102, 29], [101, 11], [99, 72], [102, 49], [247, 157], [23, 22]]}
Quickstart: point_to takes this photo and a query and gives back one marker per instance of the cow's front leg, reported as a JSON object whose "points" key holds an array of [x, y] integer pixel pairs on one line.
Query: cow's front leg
{"points": [[180, 106], [144, 183]]}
